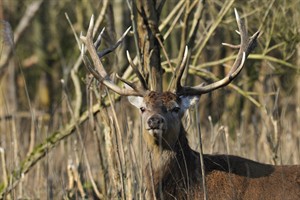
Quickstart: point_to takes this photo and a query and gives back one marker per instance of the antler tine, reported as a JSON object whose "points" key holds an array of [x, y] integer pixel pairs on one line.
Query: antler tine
{"points": [[98, 71], [246, 46], [98, 41], [112, 48], [137, 72], [181, 69]]}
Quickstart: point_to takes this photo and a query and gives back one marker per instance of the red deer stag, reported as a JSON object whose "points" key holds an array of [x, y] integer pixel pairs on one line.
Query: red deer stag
{"points": [[174, 169]]}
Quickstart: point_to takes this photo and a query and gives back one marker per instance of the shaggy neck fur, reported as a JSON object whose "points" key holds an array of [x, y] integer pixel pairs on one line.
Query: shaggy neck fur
{"points": [[175, 173], [169, 167]]}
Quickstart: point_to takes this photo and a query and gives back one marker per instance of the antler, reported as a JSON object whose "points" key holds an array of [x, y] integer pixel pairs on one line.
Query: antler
{"points": [[98, 70], [246, 46]]}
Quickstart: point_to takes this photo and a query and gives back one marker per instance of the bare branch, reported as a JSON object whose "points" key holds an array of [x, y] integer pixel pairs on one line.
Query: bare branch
{"points": [[137, 72], [13, 39], [231, 45]]}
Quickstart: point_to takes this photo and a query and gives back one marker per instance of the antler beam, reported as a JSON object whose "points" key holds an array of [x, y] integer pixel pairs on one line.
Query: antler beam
{"points": [[98, 71], [246, 46]]}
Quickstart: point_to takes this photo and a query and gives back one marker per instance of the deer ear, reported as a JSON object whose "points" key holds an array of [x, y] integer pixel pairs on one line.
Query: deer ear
{"points": [[136, 101], [187, 101]]}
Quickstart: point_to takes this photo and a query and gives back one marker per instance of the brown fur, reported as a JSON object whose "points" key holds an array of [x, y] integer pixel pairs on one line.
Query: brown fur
{"points": [[174, 171]]}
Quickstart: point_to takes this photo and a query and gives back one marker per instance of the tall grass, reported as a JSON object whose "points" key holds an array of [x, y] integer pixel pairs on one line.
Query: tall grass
{"points": [[55, 143]]}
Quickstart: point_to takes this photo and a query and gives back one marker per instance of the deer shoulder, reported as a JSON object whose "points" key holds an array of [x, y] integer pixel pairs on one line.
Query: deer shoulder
{"points": [[173, 169]]}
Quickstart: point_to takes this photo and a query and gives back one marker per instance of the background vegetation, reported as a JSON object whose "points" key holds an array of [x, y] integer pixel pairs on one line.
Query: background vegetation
{"points": [[63, 136]]}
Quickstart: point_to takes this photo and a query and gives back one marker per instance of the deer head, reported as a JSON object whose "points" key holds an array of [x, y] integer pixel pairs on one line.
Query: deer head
{"points": [[162, 112], [173, 171]]}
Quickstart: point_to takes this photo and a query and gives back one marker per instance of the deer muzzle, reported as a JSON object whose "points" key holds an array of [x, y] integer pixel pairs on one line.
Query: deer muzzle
{"points": [[155, 124]]}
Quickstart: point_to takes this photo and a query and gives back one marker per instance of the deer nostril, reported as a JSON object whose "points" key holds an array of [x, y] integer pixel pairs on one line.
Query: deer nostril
{"points": [[155, 121]]}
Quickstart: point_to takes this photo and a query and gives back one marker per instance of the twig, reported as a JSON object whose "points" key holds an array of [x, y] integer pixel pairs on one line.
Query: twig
{"points": [[135, 33], [75, 177], [41, 150], [183, 40], [174, 23], [101, 16], [24, 23], [165, 52], [175, 11], [87, 163], [4, 169], [205, 196], [120, 149], [216, 23]]}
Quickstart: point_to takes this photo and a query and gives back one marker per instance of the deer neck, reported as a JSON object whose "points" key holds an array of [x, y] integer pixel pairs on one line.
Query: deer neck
{"points": [[169, 165], [160, 148]]}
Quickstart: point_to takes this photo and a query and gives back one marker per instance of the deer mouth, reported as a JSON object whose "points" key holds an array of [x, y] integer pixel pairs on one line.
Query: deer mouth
{"points": [[156, 125], [155, 131]]}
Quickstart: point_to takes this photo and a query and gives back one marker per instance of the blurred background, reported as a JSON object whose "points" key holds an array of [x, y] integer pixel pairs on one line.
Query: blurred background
{"points": [[62, 136]]}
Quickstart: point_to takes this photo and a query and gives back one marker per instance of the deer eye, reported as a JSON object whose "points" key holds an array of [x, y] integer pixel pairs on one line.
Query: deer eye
{"points": [[176, 109], [143, 109]]}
